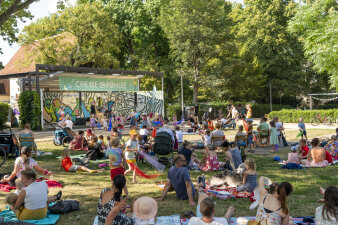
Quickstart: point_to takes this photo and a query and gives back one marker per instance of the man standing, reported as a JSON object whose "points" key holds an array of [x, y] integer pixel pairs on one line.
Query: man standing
{"points": [[179, 178], [93, 108]]}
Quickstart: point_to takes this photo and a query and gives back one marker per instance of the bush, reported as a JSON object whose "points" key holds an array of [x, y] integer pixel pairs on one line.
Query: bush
{"points": [[4, 110], [174, 109], [30, 109], [293, 115]]}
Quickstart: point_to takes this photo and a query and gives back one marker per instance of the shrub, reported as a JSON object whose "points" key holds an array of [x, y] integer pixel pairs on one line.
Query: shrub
{"points": [[30, 109], [4, 110], [293, 115]]}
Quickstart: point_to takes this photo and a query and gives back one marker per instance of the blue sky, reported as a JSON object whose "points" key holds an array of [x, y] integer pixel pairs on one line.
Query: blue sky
{"points": [[39, 9]]}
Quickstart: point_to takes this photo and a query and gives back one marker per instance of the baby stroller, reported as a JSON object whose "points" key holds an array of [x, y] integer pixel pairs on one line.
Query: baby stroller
{"points": [[230, 123], [162, 147], [8, 145], [62, 136]]}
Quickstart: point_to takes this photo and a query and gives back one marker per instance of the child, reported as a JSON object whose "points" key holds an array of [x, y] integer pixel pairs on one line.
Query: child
{"points": [[108, 140], [209, 162], [105, 123], [92, 122], [210, 124], [303, 149], [174, 120], [11, 199], [179, 136], [120, 130], [273, 136], [117, 160], [131, 148], [250, 135], [89, 135], [249, 177], [301, 127], [101, 142], [144, 133], [18, 185], [68, 166], [293, 156], [207, 138]]}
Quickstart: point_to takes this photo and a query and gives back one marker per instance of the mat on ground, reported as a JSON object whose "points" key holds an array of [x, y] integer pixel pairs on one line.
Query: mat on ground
{"points": [[6, 187], [9, 216]]}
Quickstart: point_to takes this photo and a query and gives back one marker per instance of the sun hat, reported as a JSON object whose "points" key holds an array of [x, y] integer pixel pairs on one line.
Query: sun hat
{"points": [[133, 132], [293, 148], [145, 208]]}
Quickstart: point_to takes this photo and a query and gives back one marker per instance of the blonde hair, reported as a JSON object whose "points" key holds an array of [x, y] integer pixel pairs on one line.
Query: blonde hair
{"points": [[11, 199], [65, 153], [251, 164], [27, 126]]}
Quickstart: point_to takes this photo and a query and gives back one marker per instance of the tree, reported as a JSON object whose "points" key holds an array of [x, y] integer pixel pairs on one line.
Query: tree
{"points": [[10, 12], [316, 25], [199, 34], [84, 35]]}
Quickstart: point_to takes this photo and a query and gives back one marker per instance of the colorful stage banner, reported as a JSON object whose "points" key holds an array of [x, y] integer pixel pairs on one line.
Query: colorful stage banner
{"points": [[97, 84]]}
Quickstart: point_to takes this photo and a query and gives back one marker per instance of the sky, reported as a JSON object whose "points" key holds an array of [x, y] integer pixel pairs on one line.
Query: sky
{"points": [[38, 9]]}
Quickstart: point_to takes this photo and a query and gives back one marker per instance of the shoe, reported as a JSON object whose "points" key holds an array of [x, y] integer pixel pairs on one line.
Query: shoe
{"points": [[58, 195]]}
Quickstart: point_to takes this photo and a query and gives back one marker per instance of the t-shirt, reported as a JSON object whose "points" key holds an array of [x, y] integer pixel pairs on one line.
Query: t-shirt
{"points": [[179, 136], [301, 126], [187, 154], [144, 132], [263, 126], [131, 144], [278, 126], [305, 150], [178, 176], [67, 163], [198, 221], [328, 156], [207, 140], [69, 124], [36, 195], [115, 155], [218, 133], [22, 166], [143, 222], [249, 114], [97, 149]]}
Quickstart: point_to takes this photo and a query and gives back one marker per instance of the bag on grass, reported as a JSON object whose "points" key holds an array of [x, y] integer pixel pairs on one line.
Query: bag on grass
{"points": [[65, 206], [255, 222]]}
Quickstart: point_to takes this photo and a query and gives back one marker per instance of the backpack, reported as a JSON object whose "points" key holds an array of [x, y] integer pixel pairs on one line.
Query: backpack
{"points": [[65, 206], [91, 155]]}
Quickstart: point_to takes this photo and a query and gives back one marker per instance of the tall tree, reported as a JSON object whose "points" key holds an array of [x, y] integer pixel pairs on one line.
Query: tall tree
{"points": [[316, 25], [198, 31]]}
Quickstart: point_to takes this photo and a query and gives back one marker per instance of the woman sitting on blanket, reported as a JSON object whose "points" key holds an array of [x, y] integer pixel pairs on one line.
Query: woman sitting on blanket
{"points": [[317, 155], [79, 143], [273, 208], [24, 162], [209, 161], [68, 166]]}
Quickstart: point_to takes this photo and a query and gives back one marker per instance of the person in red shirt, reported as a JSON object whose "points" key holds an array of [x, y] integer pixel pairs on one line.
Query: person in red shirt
{"points": [[328, 156], [303, 149], [68, 166]]}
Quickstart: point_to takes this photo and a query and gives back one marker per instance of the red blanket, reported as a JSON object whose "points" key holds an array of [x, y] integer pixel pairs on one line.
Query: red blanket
{"points": [[51, 183], [233, 193]]}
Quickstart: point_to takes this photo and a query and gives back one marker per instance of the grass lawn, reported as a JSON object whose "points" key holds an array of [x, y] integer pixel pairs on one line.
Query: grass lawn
{"points": [[86, 187]]}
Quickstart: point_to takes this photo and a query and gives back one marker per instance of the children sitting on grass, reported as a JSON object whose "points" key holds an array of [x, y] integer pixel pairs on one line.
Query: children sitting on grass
{"points": [[209, 161], [101, 142], [249, 177], [293, 156], [332, 147], [68, 166], [206, 138], [303, 150]]}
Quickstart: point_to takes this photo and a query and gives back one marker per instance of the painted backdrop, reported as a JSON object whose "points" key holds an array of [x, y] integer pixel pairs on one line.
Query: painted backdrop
{"points": [[118, 102]]}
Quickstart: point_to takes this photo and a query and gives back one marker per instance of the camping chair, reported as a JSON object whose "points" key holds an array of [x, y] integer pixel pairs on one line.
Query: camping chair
{"points": [[26, 140], [263, 138], [217, 139], [240, 140]]}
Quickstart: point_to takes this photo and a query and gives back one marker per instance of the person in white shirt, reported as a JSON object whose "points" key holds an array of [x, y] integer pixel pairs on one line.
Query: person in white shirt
{"points": [[68, 123], [144, 133], [206, 213], [280, 128], [179, 136]]}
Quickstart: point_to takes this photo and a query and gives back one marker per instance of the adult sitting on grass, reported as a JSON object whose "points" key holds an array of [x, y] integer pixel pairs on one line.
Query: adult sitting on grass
{"points": [[31, 203], [79, 143], [179, 178], [94, 150], [111, 204], [68, 166], [328, 213], [317, 155], [22, 163], [206, 212], [273, 208], [233, 155]]}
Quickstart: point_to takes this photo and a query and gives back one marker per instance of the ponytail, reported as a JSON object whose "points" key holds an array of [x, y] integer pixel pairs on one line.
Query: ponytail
{"points": [[25, 154], [119, 182], [117, 196], [283, 190]]}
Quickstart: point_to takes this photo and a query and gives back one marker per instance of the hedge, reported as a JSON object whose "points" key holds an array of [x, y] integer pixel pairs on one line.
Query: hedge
{"points": [[258, 110], [4, 110], [293, 115], [30, 109]]}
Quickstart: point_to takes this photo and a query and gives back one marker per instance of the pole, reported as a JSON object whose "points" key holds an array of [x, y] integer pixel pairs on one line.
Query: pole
{"points": [[270, 97], [41, 98], [29, 82], [37, 88], [182, 94], [311, 102], [162, 82]]}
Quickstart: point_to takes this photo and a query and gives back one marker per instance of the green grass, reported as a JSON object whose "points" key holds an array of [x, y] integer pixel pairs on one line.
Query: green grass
{"points": [[86, 187]]}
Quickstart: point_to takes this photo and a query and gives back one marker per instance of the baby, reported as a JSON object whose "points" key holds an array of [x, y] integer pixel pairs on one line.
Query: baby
{"points": [[11, 199], [18, 185]]}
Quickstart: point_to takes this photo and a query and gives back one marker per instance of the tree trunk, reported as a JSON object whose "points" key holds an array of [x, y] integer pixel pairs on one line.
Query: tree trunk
{"points": [[195, 93]]}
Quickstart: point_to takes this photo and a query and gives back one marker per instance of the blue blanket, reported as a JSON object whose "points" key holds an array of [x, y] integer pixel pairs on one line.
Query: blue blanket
{"points": [[48, 220], [291, 166]]}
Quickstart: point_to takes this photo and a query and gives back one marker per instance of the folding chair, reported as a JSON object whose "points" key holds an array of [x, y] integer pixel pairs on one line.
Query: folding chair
{"points": [[26, 140], [263, 138]]}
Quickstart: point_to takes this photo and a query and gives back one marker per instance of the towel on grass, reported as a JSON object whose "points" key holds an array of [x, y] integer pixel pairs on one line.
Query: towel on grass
{"points": [[225, 193], [6, 187], [49, 219], [291, 166]]}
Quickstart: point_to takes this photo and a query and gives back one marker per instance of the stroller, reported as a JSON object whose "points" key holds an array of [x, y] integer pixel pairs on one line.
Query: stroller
{"points": [[62, 136], [8, 145], [230, 123], [163, 146]]}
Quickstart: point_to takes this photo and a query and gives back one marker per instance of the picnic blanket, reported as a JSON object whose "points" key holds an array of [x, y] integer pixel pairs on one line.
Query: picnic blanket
{"points": [[9, 216], [161, 220], [82, 156], [225, 193], [244, 221], [6, 187], [291, 166], [330, 164]]}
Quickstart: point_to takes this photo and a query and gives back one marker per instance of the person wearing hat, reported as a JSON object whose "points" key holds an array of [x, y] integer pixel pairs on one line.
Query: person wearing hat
{"points": [[130, 153], [145, 211]]}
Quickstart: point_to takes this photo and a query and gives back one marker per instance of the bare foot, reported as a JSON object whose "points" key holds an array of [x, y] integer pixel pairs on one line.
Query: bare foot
{"points": [[322, 190], [230, 212]]}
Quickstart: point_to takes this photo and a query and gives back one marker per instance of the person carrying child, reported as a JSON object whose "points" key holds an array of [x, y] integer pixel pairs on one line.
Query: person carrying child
{"points": [[301, 126], [68, 166], [249, 177]]}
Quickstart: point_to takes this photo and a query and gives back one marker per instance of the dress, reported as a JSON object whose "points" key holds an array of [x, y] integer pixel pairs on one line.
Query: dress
{"points": [[268, 217], [211, 164], [273, 136], [76, 143], [324, 221], [103, 211], [250, 185]]}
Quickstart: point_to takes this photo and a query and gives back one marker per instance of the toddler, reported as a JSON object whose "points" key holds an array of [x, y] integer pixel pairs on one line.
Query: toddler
{"points": [[207, 138], [11, 199], [108, 140], [144, 133], [105, 123], [301, 127], [68, 166], [249, 177], [303, 149], [293, 156], [18, 185], [92, 122], [174, 120], [101, 142]]}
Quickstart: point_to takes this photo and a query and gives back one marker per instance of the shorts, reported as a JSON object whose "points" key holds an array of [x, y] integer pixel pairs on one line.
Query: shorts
{"points": [[131, 161], [73, 168], [304, 132], [250, 139], [115, 172]]}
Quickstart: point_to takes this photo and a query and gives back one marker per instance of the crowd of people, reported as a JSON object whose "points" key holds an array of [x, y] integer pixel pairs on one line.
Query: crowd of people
{"points": [[31, 199]]}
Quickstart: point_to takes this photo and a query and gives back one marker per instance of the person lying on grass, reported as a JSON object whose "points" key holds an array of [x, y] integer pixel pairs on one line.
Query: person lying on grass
{"points": [[179, 178], [23, 162], [68, 166], [206, 211]]}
